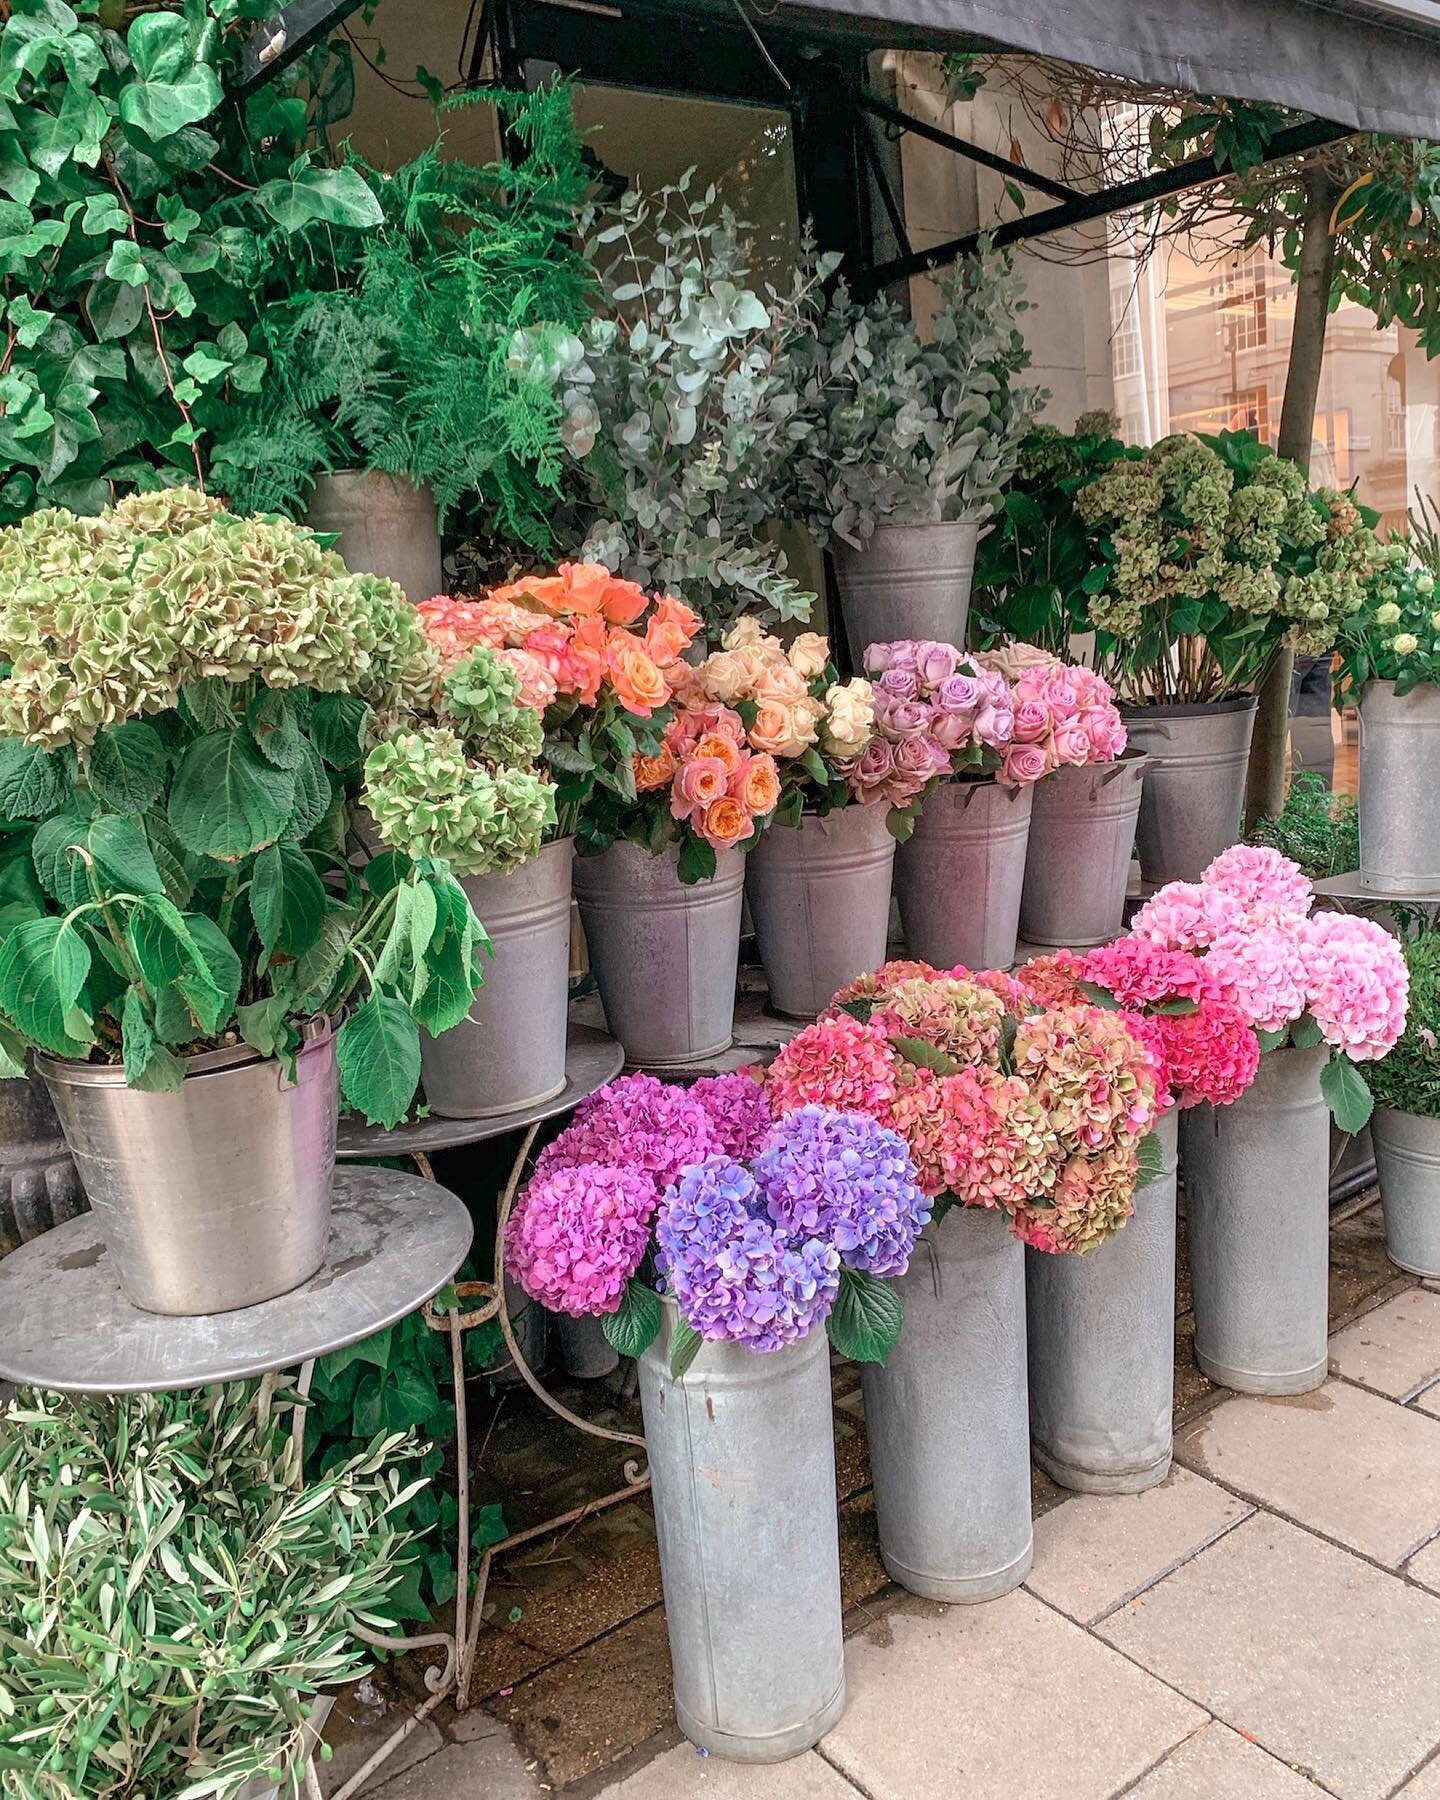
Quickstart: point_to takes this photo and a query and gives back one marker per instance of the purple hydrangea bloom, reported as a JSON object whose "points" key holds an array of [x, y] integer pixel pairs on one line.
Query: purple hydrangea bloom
{"points": [[738, 1109], [843, 1178], [735, 1275], [650, 1127]]}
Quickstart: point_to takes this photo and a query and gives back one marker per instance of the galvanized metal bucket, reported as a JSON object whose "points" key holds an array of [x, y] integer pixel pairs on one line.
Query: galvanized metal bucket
{"points": [[510, 1052], [819, 896], [960, 875], [39, 1187], [1195, 784], [585, 1351], [742, 1467], [665, 956], [216, 1195], [947, 1420], [1077, 860], [1407, 1159], [1400, 789], [1102, 1348], [1257, 1217], [910, 581], [386, 526]]}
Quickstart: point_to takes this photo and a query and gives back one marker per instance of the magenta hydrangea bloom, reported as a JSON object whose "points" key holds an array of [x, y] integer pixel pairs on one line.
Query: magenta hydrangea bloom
{"points": [[1256, 875], [1210, 1055], [738, 1109], [578, 1235], [1140, 973], [650, 1127], [844, 1178], [1357, 984], [736, 1275]]}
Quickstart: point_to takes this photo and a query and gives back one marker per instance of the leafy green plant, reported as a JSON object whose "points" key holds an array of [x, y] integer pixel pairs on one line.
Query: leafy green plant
{"points": [[172, 1596], [188, 701], [1395, 634], [910, 429], [1408, 1079], [1318, 829]]}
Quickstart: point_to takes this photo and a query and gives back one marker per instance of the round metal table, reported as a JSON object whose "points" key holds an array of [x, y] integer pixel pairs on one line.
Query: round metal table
{"points": [[395, 1240]]}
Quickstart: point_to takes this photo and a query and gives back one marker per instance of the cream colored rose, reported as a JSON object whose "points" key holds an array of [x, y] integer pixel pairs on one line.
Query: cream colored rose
{"points": [[1405, 645], [778, 681], [1012, 660], [1387, 614], [809, 654], [850, 721], [785, 727], [743, 633], [725, 676]]}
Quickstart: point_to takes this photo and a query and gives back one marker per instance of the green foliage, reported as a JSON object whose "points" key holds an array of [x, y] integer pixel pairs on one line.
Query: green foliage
{"points": [[1395, 635], [907, 429], [684, 413], [634, 1327], [1408, 1079], [1317, 829], [685, 1342], [865, 1322], [1347, 1093], [204, 1593]]}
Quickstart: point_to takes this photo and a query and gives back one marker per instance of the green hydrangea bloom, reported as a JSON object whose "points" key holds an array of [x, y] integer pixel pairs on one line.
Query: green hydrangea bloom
{"points": [[482, 696], [430, 799]]}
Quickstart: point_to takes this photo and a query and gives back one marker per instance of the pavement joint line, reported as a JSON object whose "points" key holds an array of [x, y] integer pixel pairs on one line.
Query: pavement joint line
{"points": [[1164, 1757], [1363, 1387], [1304, 1774], [834, 1767], [1419, 1768], [1125, 1656], [1179, 1563], [1415, 1549], [1425, 1386]]}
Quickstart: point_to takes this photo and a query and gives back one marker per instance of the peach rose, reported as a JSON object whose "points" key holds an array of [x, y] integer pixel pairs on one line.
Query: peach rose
{"points": [[587, 658], [742, 632], [725, 823], [670, 630], [757, 786], [809, 654], [778, 681], [719, 747], [639, 685], [546, 591], [785, 728], [653, 772], [698, 784]]}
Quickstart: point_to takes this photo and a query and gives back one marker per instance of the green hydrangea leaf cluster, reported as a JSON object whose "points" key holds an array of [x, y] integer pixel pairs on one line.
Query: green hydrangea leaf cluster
{"points": [[430, 798]]}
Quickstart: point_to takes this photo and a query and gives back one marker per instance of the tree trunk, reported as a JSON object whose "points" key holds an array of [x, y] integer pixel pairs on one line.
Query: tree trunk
{"points": [[1265, 780]]}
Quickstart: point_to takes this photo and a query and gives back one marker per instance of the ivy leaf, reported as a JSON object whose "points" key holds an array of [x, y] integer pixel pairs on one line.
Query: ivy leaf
{"points": [[126, 766], [149, 1066], [685, 1342], [174, 90], [43, 966], [321, 196], [227, 801], [126, 265], [33, 782], [1345, 1089], [926, 1056], [378, 1049], [864, 1323], [636, 1325], [287, 900]]}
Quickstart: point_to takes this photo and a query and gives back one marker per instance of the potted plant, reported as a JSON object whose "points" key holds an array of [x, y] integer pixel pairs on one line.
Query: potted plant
{"points": [[1390, 669], [1325, 993], [909, 443], [818, 880], [713, 1243], [1024, 1125], [1317, 829], [684, 407], [1101, 1326], [188, 698], [1405, 1125], [412, 372], [210, 1593]]}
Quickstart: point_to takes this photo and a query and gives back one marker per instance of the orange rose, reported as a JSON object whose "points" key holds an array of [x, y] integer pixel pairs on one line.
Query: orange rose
{"points": [[584, 586], [725, 823], [757, 786], [722, 748], [697, 786], [547, 591], [653, 772], [670, 629], [588, 658], [640, 686], [785, 727]]}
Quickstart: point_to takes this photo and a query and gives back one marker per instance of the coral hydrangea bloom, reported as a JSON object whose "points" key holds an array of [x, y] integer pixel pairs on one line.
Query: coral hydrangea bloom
{"points": [[917, 1113], [1090, 1075], [1092, 1199], [879, 981], [956, 1016], [1053, 980], [1211, 1055], [999, 1147], [836, 1062]]}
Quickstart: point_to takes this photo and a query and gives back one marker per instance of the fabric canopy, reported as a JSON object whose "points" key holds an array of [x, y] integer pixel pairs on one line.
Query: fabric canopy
{"points": [[1374, 64]]}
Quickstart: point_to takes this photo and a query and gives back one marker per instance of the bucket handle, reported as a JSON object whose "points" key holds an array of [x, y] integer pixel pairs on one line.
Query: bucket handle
{"points": [[1120, 766]]}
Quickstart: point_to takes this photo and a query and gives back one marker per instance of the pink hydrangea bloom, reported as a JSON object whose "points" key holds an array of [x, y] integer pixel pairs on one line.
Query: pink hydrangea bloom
{"points": [[738, 1108], [1256, 875], [651, 1127], [836, 1062], [1211, 1055], [888, 975], [1141, 973], [1185, 915], [998, 1147], [1094, 1080], [916, 1113], [1357, 985], [1262, 969], [578, 1235]]}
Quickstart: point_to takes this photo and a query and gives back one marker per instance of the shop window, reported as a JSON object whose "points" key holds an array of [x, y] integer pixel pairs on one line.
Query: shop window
{"points": [[1243, 301]]}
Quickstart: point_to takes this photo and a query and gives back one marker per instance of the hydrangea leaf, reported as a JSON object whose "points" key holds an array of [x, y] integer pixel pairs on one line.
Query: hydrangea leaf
{"points": [[1305, 1034], [149, 1066], [635, 1326], [925, 1056], [33, 783], [43, 965], [274, 721], [1344, 1087], [287, 900], [126, 766], [378, 1049], [685, 1342], [337, 728], [227, 801], [865, 1321]]}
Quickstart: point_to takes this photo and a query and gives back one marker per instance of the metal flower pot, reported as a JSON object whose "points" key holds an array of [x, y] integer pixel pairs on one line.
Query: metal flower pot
{"points": [[1077, 861], [585, 1351], [510, 1051], [385, 525], [959, 877], [947, 1420], [910, 581], [1257, 1216], [1195, 784], [39, 1187], [742, 1467], [1400, 789], [216, 1195], [1407, 1159], [664, 956], [1102, 1348], [819, 896]]}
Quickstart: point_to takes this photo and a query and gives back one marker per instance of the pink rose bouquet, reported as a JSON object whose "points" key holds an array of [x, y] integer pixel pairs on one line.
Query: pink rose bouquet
{"points": [[1065, 715]]}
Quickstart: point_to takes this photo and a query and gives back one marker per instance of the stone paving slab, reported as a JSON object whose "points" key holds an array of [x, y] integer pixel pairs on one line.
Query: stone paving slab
{"points": [[683, 1774], [1425, 1786], [1097, 1550], [1424, 1566], [1360, 1469], [995, 1702], [1218, 1764], [1429, 1401], [1394, 1349], [1326, 1661], [491, 1767]]}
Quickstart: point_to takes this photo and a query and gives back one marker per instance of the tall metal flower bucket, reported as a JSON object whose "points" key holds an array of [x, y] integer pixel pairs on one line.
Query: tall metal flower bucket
{"points": [[1256, 1177], [385, 525], [1400, 788], [959, 877], [665, 956], [947, 1420], [1407, 1160], [216, 1195], [39, 1187], [742, 1466], [910, 581], [510, 1052], [1195, 785], [819, 897], [1102, 1348], [1077, 859]]}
